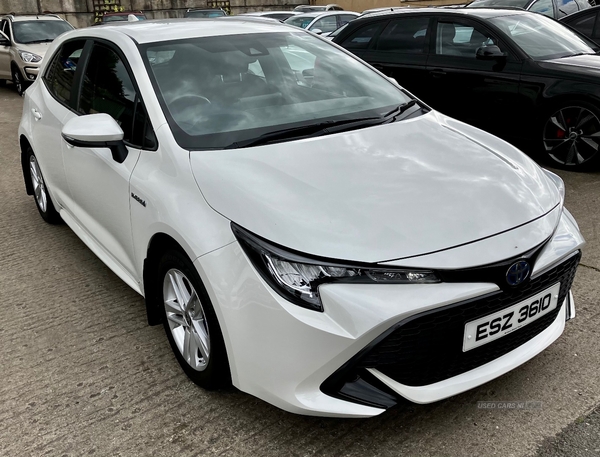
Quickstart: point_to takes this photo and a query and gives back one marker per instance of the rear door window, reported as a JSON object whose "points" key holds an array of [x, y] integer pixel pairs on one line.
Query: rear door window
{"points": [[363, 37], [544, 7], [60, 74], [404, 35]]}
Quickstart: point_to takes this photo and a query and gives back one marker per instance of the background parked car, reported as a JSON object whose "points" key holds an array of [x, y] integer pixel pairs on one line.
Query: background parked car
{"points": [[319, 22], [519, 75], [24, 41], [279, 15], [551, 8], [120, 16], [309, 8], [205, 12], [585, 22]]}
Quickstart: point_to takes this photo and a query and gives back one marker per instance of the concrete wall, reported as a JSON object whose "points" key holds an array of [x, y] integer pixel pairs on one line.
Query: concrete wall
{"points": [[80, 13]]}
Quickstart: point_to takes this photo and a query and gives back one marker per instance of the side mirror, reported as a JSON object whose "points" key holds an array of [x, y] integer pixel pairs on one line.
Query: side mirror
{"points": [[393, 81], [308, 73], [96, 131], [4, 40], [317, 31], [491, 52]]}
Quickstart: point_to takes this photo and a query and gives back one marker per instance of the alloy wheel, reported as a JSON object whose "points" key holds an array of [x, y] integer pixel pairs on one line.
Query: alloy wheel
{"points": [[186, 319], [39, 187], [572, 136]]}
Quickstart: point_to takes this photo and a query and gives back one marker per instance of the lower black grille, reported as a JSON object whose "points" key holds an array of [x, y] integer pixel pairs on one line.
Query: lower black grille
{"points": [[427, 348]]}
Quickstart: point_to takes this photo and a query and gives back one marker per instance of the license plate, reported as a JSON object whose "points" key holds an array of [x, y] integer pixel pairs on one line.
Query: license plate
{"points": [[493, 326]]}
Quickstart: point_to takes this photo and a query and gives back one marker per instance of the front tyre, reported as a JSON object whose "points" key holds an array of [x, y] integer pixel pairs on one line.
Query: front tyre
{"points": [[18, 82], [40, 191], [571, 136], [191, 324]]}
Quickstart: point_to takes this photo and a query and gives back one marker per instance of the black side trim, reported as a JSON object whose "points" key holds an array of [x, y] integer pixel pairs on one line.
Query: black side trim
{"points": [[117, 148]]}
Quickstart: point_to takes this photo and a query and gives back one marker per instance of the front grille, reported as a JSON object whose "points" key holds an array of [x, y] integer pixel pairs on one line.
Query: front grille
{"points": [[427, 348]]}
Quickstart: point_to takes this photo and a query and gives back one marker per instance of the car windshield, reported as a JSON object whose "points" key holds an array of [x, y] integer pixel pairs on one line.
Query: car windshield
{"points": [[492, 3], [218, 91], [543, 38], [300, 21], [214, 13], [122, 17], [39, 31]]}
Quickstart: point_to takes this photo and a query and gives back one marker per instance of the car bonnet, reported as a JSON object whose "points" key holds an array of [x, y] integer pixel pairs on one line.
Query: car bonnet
{"points": [[379, 193]]}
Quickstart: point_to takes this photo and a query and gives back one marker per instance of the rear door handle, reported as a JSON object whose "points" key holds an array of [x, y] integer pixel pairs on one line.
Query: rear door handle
{"points": [[36, 114], [437, 73]]}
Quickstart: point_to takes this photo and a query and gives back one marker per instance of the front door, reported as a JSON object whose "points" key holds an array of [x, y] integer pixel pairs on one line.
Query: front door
{"points": [[99, 186]]}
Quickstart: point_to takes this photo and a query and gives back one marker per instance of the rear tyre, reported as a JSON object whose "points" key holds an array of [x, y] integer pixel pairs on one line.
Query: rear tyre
{"points": [[191, 324], [40, 191], [571, 136]]}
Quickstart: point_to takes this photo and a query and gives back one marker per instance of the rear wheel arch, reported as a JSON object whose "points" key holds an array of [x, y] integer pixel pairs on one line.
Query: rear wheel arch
{"points": [[25, 145]]}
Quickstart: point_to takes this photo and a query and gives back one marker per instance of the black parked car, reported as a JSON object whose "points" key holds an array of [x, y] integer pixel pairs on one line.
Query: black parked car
{"points": [[585, 22], [551, 8], [519, 75]]}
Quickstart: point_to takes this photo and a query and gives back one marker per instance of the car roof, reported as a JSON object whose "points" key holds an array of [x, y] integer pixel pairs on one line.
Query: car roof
{"points": [[123, 13], [32, 17], [178, 29], [324, 13], [477, 12], [262, 13]]}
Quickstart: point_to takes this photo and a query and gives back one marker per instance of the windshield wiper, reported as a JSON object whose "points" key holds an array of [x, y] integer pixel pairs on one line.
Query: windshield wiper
{"points": [[580, 54], [324, 128]]}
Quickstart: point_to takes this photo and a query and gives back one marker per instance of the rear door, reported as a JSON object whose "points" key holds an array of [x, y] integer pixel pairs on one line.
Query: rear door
{"points": [[484, 93], [51, 103], [401, 51]]}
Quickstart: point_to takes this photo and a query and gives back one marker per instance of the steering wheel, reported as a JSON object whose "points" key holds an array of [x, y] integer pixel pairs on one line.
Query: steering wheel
{"points": [[180, 104]]}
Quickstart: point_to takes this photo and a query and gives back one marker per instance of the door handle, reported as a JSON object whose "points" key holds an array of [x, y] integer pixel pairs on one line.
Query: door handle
{"points": [[437, 73], [36, 114]]}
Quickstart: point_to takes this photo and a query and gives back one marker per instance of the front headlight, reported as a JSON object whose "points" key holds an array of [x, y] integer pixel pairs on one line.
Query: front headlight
{"points": [[29, 57], [297, 277]]}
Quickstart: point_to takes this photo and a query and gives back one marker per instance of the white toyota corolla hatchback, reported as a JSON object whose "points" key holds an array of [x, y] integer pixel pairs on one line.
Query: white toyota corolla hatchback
{"points": [[303, 227]]}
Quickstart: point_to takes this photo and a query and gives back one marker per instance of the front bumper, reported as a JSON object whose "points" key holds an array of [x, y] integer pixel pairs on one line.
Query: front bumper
{"points": [[31, 73], [288, 355]]}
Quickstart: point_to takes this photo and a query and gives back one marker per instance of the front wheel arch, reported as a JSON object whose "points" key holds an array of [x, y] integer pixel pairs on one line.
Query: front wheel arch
{"points": [[159, 244]]}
